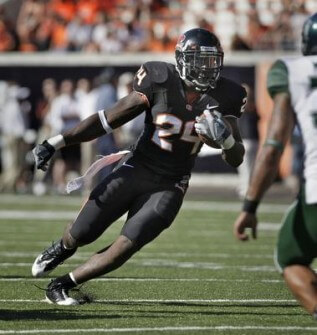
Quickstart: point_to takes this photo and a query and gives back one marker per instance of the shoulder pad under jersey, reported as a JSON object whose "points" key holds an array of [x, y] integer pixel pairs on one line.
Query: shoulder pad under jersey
{"points": [[231, 97], [158, 71]]}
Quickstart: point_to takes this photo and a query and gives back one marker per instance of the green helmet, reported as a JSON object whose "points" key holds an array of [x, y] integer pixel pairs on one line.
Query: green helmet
{"points": [[309, 36]]}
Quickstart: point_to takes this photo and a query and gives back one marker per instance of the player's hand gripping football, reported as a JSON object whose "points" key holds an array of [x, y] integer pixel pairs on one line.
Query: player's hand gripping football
{"points": [[42, 154], [213, 126], [245, 220]]}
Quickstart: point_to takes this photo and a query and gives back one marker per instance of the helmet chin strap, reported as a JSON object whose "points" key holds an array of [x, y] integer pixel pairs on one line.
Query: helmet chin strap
{"points": [[193, 84]]}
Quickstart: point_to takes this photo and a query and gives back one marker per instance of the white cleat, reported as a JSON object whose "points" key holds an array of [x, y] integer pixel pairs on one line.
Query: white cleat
{"points": [[50, 258], [56, 293]]}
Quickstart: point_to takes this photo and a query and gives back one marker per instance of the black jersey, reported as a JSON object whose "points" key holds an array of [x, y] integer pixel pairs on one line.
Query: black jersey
{"points": [[169, 143]]}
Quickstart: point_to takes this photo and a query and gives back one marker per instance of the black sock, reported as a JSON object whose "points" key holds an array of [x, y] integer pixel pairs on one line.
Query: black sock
{"points": [[67, 251], [64, 247], [66, 281]]}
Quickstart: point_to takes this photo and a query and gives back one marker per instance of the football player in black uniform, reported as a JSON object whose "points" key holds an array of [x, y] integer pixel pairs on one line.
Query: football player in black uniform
{"points": [[151, 181]]}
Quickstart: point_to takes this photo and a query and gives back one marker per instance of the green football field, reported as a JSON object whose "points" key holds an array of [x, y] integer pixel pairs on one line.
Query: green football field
{"points": [[194, 279]]}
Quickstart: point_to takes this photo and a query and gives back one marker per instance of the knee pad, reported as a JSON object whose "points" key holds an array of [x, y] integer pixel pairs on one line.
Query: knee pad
{"points": [[84, 233]]}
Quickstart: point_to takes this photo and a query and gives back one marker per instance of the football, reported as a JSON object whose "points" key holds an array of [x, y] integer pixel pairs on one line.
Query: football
{"points": [[210, 142]]}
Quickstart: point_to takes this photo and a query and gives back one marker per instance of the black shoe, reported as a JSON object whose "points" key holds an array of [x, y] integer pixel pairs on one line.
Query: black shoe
{"points": [[50, 258], [57, 293]]}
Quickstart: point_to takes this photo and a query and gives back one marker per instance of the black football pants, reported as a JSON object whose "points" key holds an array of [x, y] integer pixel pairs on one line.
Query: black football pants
{"points": [[152, 203]]}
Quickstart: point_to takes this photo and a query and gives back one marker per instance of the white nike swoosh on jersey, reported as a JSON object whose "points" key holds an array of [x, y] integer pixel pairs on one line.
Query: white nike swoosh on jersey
{"points": [[211, 107]]}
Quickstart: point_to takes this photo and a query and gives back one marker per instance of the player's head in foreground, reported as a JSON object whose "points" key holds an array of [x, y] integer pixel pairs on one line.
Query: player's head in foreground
{"points": [[199, 58], [309, 36]]}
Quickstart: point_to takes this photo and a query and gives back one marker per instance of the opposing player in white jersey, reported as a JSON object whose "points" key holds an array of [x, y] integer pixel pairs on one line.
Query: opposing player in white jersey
{"points": [[292, 84]]}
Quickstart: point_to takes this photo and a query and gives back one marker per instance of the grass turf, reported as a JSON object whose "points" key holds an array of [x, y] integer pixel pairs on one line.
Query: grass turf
{"points": [[195, 278]]}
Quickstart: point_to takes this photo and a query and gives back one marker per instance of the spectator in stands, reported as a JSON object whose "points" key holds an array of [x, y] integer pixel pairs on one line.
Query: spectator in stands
{"points": [[257, 32], [78, 34], [59, 39], [111, 44], [64, 114], [7, 42], [13, 124], [29, 18], [106, 97], [87, 97], [298, 17], [283, 33], [87, 10], [30, 15], [130, 131], [64, 9], [137, 36], [238, 43], [42, 113], [44, 104], [43, 34], [152, 25], [100, 29]]}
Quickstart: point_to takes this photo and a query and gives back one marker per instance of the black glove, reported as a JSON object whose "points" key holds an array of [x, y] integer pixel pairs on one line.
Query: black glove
{"points": [[42, 154]]}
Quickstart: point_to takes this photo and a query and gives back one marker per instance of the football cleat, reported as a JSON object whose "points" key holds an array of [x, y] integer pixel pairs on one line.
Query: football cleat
{"points": [[50, 258], [57, 293]]}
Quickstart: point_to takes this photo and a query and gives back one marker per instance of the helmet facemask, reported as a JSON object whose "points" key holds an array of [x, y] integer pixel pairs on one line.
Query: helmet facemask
{"points": [[203, 68]]}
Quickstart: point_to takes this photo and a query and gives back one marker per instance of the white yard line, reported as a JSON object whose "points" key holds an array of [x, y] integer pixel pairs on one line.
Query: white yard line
{"points": [[144, 254], [188, 205], [206, 301], [36, 215], [230, 206], [171, 264], [268, 281], [161, 329]]}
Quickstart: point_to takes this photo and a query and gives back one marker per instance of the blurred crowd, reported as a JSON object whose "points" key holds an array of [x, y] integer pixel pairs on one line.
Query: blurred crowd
{"points": [[61, 106], [112, 26], [24, 122]]}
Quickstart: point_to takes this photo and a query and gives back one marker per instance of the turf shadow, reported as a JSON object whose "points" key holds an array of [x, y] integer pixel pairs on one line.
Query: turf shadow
{"points": [[53, 315], [210, 312]]}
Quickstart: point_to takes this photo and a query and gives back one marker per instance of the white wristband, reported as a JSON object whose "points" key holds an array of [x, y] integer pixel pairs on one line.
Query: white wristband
{"points": [[104, 121], [57, 141], [228, 143]]}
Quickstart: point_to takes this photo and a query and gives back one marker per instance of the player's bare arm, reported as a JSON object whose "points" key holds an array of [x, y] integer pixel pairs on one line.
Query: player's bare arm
{"points": [[221, 132], [94, 126], [267, 163], [234, 155]]}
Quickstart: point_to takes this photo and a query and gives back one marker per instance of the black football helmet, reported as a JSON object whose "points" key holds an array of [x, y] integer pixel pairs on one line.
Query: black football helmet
{"points": [[199, 58], [309, 36]]}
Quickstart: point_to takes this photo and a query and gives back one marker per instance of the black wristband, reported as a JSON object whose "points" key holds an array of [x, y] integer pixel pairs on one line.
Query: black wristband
{"points": [[250, 206]]}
